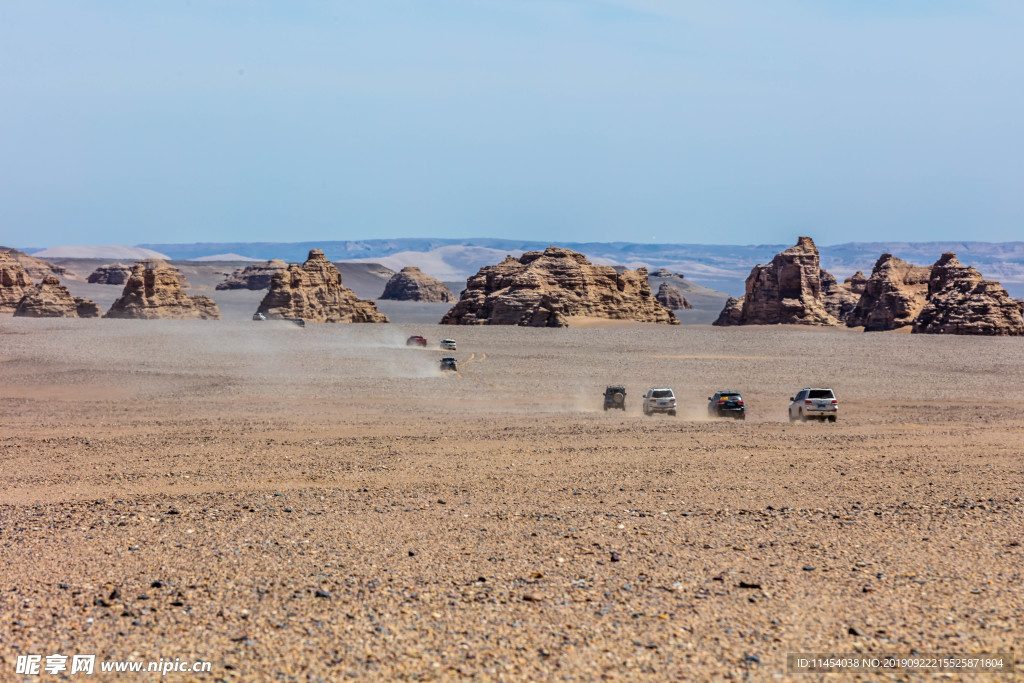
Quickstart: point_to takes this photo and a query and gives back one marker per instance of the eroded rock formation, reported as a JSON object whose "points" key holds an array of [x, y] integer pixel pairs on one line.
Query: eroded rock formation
{"points": [[14, 282], [788, 291], [412, 284], [255, 276], [153, 291], [154, 263], [545, 289], [51, 299], [36, 268], [313, 291], [893, 296], [671, 298], [961, 301], [110, 274]]}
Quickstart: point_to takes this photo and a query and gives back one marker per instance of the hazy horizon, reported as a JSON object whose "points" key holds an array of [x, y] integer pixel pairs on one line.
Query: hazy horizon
{"points": [[617, 120]]}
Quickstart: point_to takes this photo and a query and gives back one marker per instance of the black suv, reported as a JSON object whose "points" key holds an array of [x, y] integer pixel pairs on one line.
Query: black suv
{"points": [[615, 397], [727, 404]]}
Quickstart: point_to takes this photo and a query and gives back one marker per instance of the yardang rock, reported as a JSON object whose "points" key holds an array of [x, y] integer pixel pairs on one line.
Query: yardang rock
{"points": [[154, 292], [961, 301], [671, 298], [256, 276], [893, 296], [110, 274], [14, 282], [545, 289], [787, 291], [51, 299], [313, 291], [412, 284]]}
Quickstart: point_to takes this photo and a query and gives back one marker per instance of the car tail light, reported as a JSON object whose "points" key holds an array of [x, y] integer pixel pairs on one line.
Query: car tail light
{"points": [[654, 400], [835, 402], [807, 401], [739, 402]]}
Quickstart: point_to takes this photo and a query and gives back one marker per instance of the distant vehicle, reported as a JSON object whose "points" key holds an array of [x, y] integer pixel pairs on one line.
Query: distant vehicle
{"points": [[615, 397], [448, 344], [660, 400], [416, 340], [449, 364], [258, 316], [818, 404], [727, 404]]}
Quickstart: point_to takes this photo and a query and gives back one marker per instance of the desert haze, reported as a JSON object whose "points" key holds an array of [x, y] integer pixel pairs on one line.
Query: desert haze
{"points": [[323, 502]]}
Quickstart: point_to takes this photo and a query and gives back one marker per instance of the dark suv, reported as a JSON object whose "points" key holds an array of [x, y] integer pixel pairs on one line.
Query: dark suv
{"points": [[727, 404], [615, 397]]}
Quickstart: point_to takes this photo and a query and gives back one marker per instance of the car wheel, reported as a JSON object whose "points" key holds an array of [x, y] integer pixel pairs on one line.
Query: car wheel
{"points": [[803, 416], [832, 418], [672, 413], [742, 416]]}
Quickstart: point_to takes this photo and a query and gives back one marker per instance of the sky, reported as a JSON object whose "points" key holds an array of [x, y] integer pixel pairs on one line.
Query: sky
{"points": [[729, 122]]}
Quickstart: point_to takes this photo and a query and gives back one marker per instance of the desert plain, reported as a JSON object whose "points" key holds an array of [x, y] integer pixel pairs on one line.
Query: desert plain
{"points": [[324, 503]]}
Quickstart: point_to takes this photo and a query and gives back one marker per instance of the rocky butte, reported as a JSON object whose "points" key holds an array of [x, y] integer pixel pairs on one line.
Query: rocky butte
{"points": [[110, 274], [36, 268], [154, 292], [14, 282], [791, 290], [548, 288], [51, 299], [892, 297], [671, 298], [255, 276], [961, 301], [412, 284], [313, 292]]}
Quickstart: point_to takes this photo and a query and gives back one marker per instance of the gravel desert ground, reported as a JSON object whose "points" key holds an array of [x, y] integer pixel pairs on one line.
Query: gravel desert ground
{"points": [[322, 503]]}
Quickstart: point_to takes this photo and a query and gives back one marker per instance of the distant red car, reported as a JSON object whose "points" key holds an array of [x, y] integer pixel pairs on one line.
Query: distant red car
{"points": [[416, 340]]}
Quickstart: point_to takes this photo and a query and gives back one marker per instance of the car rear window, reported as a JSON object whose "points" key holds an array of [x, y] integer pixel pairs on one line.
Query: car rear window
{"points": [[821, 393], [729, 394], [661, 393]]}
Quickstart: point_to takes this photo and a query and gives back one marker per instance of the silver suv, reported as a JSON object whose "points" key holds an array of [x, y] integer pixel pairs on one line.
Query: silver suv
{"points": [[819, 404], [448, 344], [659, 400]]}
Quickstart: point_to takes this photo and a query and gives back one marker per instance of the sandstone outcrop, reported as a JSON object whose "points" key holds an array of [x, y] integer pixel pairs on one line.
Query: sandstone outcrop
{"points": [[51, 299], [788, 291], [154, 291], [732, 313], [961, 301], [892, 297], [671, 298], [256, 276], [545, 289], [841, 299], [665, 272], [155, 263], [412, 284], [110, 274], [14, 282], [313, 291], [36, 268]]}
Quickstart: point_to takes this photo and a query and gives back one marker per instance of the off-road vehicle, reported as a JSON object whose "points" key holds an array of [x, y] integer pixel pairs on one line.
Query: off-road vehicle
{"points": [[615, 397], [727, 404], [660, 400], [449, 364], [819, 404], [448, 344], [416, 340]]}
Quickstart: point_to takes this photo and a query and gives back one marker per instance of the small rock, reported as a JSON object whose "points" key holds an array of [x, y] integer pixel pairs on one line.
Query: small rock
{"points": [[854, 631], [321, 593], [808, 568], [615, 557], [412, 553], [744, 584], [157, 584], [532, 597]]}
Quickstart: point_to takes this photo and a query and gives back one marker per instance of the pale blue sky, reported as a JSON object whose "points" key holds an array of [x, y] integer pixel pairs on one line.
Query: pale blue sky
{"points": [[634, 120]]}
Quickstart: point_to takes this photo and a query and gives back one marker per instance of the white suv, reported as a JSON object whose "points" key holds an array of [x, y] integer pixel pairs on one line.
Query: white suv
{"points": [[448, 344], [659, 401], [814, 403]]}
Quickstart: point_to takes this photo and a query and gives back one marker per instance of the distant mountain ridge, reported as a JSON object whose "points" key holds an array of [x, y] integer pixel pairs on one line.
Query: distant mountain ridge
{"points": [[722, 266]]}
